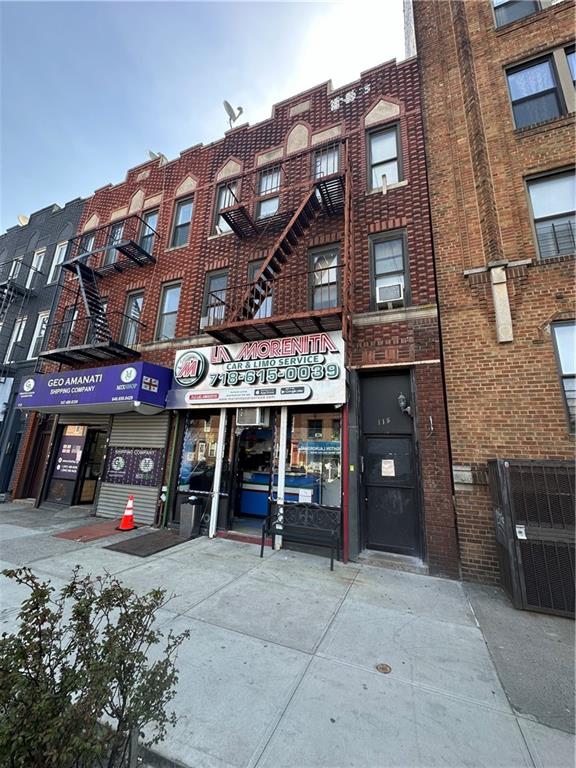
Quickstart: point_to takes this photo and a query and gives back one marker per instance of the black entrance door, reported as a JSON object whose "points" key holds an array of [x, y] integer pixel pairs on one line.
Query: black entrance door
{"points": [[389, 471]]}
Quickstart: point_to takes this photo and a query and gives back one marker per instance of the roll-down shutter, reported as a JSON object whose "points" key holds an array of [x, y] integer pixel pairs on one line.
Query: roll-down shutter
{"points": [[131, 430]]}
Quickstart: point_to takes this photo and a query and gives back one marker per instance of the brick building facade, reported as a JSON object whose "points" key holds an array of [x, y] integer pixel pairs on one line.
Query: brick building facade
{"points": [[314, 223], [498, 99]]}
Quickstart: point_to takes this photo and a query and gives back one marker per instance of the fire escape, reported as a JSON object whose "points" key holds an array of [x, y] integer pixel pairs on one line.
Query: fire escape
{"points": [[85, 331], [18, 283], [242, 312]]}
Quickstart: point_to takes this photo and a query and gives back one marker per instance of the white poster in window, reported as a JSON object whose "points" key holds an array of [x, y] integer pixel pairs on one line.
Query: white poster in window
{"points": [[388, 468], [305, 494]]}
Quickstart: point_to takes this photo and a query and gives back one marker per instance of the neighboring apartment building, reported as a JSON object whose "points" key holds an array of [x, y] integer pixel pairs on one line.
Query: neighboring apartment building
{"points": [[498, 98], [30, 258], [285, 275]]}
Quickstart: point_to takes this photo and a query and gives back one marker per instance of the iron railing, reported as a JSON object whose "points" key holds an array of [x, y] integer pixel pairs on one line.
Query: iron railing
{"points": [[129, 240], [311, 291], [556, 238], [82, 330], [21, 277]]}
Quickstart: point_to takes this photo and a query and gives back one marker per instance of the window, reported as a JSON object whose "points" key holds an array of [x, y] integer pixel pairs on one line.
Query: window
{"points": [[39, 333], [13, 350], [314, 428], [268, 184], [147, 231], [32, 278], [225, 197], [15, 267], [565, 341], [182, 219], [214, 307], [324, 278], [388, 270], [507, 11], [535, 94], [383, 157], [265, 309], [326, 161], [132, 315], [96, 326], [67, 326], [553, 201], [57, 259], [168, 312], [114, 237], [87, 242]]}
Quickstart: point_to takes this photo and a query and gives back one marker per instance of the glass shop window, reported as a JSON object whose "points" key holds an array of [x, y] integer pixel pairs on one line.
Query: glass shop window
{"points": [[313, 461], [198, 457]]}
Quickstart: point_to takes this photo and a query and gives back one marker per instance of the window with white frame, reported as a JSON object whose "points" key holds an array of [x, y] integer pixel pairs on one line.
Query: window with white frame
{"points": [[148, 230], [114, 237], [66, 330], [214, 304], [131, 324], [326, 161], [383, 157], [565, 343], [323, 277], [507, 11], [226, 196], [181, 223], [33, 276], [39, 333], [388, 269], [15, 267], [268, 187], [57, 259], [553, 200], [13, 352], [168, 314]]}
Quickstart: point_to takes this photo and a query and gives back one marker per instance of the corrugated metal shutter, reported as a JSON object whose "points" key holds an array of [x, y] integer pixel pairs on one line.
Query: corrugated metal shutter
{"points": [[132, 430]]}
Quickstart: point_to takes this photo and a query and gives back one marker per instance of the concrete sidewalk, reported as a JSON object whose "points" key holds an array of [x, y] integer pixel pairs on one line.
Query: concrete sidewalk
{"points": [[281, 668]]}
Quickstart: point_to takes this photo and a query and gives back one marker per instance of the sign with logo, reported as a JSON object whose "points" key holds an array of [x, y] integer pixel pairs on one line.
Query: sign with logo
{"points": [[134, 466], [307, 368], [69, 453], [116, 385]]}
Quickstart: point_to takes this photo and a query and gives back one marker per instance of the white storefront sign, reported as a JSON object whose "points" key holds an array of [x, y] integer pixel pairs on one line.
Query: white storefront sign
{"points": [[296, 369]]}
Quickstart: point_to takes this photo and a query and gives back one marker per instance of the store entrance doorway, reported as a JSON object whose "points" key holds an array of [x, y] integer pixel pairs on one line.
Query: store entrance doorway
{"points": [[253, 473], [91, 466]]}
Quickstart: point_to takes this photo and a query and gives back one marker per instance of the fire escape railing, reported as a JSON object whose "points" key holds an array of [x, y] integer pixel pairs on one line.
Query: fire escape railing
{"points": [[84, 330]]}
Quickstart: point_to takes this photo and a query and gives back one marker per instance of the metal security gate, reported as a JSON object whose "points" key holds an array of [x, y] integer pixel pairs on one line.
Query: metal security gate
{"points": [[533, 505], [132, 430]]}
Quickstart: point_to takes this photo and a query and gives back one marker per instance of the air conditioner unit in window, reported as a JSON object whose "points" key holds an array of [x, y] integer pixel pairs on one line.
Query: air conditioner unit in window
{"points": [[252, 417], [391, 295]]}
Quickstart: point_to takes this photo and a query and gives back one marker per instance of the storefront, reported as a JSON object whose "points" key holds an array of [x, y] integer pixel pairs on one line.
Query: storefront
{"points": [[258, 421], [108, 436]]}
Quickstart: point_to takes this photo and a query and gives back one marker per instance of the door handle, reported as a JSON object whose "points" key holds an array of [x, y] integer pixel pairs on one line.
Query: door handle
{"points": [[361, 465]]}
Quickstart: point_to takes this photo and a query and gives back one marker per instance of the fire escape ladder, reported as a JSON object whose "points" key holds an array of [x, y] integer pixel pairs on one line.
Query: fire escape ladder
{"points": [[6, 298], [300, 222], [96, 313]]}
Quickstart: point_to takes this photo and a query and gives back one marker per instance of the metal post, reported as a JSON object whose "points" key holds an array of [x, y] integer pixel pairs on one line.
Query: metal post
{"points": [[217, 473], [282, 466]]}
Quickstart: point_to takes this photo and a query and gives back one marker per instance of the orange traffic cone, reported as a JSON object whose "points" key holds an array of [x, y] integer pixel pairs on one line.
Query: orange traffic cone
{"points": [[127, 522]]}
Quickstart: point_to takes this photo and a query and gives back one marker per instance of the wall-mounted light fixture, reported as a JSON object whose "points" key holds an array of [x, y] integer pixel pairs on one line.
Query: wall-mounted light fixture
{"points": [[403, 404]]}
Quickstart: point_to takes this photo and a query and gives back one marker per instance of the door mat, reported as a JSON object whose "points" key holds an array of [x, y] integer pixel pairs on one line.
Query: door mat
{"points": [[89, 532], [148, 543]]}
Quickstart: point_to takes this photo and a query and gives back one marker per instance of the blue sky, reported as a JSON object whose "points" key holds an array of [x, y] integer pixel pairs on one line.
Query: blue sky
{"points": [[88, 87]]}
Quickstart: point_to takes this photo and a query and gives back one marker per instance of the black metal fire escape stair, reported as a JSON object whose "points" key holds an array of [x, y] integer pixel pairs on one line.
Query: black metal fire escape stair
{"points": [[300, 222], [95, 311], [7, 295]]}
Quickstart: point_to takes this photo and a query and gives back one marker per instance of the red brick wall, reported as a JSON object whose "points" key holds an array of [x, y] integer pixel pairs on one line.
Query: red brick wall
{"points": [[504, 399], [403, 342]]}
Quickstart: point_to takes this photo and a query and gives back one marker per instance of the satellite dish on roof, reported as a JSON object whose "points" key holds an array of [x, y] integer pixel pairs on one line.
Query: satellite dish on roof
{"points": [[23, 220], [233, 114], [153, 155]]}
